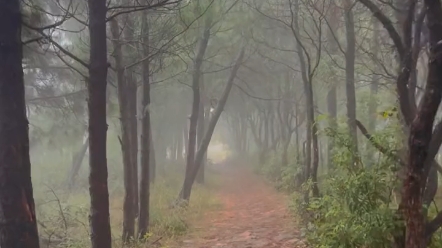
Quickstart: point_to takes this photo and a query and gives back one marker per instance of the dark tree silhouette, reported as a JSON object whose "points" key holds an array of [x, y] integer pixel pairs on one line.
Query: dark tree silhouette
{"points": [[98, 188], [18, 225]]}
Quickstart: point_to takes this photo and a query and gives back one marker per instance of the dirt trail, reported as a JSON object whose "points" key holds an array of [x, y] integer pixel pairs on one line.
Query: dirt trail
{"points": [[254, 215]]}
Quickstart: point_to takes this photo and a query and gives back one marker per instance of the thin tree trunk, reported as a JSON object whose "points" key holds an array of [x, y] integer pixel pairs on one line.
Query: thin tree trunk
{"points": [[350, 56], [133, 130], [201, 122], [372, 107], [190, 163], [332, 111], [152, 158], [312, 137], [131, 95], [17, 213], [77, 160], [98, 188], [123, 101], [179, 146], [188, 181], [143, 221], [332, 93], [185, 135], [314, 134], [298, 155], [286, 139]]}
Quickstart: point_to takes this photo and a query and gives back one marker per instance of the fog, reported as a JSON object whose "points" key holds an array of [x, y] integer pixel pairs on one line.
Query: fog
{"points": [[220, 123]]}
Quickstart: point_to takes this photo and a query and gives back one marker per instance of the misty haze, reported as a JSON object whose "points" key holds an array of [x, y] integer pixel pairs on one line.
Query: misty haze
{"points": [[220, 123]]}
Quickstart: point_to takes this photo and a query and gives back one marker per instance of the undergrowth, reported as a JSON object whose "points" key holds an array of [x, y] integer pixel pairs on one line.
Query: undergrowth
{"points": [[63, 214], [283, 176], [358, 203], [63, 218]]}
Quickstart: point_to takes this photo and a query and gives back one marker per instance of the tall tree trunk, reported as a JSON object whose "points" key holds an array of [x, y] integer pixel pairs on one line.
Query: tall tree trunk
{"points": [[133, 130], [332, 93], [421, 130], [201, 122], [179, 146], [18, 221], [185, 135], [333, 112], [77, 160], [143, 221], [152, 158], [131, 94], [372, 107], [287, 122], [207, 117], [297, 145], [312, 156], [190, 162], [350, 56], [98, 188], [314, 135], [123, 101], [190, 177]]}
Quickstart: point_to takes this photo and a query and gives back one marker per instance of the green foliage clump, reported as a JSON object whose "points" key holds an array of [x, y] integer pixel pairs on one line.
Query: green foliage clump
{"points": [[284, 176], [355, 210], [357, 207]]}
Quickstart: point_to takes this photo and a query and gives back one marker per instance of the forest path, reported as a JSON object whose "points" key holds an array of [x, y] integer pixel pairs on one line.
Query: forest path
{"points": [[253, 215]]}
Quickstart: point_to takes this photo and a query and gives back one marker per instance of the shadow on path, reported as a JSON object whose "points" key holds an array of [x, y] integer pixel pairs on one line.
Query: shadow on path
{"points": [[253, 215]]}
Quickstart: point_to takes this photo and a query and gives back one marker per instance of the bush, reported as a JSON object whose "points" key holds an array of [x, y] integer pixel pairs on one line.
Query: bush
{"points": [[356, 208], [285, 177], [355, 211]]}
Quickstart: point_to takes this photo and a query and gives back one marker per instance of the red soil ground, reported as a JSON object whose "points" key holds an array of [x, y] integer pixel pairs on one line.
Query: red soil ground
{"points": [[253, 215]]}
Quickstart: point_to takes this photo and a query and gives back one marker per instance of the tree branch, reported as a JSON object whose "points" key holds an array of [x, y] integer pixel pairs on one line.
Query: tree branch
{"points": [[378, 146], [388, 25]]}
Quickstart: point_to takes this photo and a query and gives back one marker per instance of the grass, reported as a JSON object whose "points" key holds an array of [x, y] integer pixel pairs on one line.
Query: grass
{"points": [[63, 216]]}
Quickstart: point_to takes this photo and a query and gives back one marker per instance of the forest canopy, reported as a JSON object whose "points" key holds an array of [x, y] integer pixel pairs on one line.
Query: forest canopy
{"points": [[120, 117]]}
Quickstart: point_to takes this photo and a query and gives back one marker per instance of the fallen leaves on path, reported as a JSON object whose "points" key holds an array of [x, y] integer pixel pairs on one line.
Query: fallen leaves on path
{"points": [[254, 215]]}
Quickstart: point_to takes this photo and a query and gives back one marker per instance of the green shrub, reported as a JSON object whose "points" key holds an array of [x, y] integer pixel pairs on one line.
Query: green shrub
{"points": [[354, 211], [356, 208], [283, 176]]}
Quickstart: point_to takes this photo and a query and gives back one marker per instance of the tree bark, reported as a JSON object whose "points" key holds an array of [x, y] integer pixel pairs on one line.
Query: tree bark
{"points": [[125, 140], [350, 56], [185, 135], [332, 92], [133, 131], [201, 130], [190, 162], [312, 156], [190, 177], [143, 221], [18, 225], [152, 158], [131, 95], [421, 133], [179, 146], [372, 107], [98, 188]]}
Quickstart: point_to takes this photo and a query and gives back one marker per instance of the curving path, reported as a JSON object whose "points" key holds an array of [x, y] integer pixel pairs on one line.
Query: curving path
{"points": [[254, 215]]}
